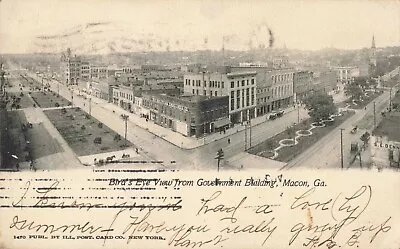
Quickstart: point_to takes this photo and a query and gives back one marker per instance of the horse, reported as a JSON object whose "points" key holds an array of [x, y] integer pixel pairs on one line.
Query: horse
{"points": [[110, 158]]}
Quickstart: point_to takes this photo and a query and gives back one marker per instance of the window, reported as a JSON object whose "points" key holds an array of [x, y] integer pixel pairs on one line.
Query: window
{"points": [[232, 84], [197, 92], [216, 93], [193, 91], [252, 95], [238, 99], [247, 82], [242, 97], [204, 92], [237, 85], [252, 81], [232, 100], [222, 84], [247, 97], [211, 93], [243, 82]]}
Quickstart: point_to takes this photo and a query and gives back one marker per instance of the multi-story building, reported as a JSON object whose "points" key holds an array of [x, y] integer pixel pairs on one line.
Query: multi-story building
{"points": [[100, 88], [325, 81], [98, 72], [85, 70], [303, 84], [123, 96], [346, 75], [280, 62], [188, 115], [274, 90], [240, 87], [385, 142], [71, 68]]}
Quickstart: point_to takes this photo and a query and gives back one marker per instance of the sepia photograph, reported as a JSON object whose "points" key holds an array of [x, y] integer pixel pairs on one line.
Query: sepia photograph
{"points": [[200, 85], [199, 124]]}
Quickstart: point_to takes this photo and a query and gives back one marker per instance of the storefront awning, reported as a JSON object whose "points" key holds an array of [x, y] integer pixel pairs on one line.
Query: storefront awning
{"points": [[221, 122]]}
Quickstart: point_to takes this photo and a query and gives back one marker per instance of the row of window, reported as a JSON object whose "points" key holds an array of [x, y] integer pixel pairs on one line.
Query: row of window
{"points": [[123, 95], [282, 77], [242, 100], [211, 83], [242, 83]]}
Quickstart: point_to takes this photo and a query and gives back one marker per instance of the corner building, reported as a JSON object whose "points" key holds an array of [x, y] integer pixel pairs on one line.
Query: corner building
{"points": [[240, 87]]}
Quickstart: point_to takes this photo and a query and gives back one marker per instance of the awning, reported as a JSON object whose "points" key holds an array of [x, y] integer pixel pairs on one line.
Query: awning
{"points": [[222, 122]]}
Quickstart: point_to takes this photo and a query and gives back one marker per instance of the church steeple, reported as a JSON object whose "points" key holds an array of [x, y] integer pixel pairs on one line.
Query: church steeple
{"points": [[373, 42], [372, 56]]}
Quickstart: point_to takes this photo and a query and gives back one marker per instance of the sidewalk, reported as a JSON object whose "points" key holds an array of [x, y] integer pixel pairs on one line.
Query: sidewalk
{"points": [[176, 138]]}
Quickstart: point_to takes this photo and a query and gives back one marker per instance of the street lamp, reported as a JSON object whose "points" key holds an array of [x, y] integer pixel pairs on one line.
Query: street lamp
{"points": [[125, 118]]}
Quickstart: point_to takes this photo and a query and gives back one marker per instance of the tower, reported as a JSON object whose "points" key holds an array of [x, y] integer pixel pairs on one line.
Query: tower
{"points": [[372, 56]]}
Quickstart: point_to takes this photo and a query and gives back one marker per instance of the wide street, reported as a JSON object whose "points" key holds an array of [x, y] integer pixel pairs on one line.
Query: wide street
{"points": [[156, 148], [153, 147], [326, 152]]}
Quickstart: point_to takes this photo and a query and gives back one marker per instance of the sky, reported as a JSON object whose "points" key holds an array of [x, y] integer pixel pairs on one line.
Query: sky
{"points": [[207, 24]]}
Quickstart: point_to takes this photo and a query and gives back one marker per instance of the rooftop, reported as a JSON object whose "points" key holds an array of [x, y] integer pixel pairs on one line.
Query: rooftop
{"points": [[389, 127]]}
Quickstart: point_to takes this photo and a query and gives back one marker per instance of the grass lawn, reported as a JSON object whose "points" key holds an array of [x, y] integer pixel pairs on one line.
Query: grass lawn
{"points": [[366, 100], [288, 153], [80, 131], [49, 99], [30, 143], [19, 101], [33, 84]]}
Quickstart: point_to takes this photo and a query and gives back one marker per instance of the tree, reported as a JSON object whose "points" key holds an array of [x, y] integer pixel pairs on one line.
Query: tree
{"points": [[220, 156], [361, 81], [320, 106], [353, 90]]}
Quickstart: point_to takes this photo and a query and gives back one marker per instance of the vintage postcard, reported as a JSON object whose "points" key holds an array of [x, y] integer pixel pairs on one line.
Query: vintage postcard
{"points": [[199, 124]]}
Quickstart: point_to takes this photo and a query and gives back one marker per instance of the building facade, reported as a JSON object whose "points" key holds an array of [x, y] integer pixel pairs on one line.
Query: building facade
{"points": [[385, 142], [240, 87], [274, 90], [123, 96], [325, 81], [346, 75], [188, 115], [303, 84], [98, 72]]}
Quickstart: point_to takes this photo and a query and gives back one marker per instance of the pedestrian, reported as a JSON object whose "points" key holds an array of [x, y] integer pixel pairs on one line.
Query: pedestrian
{"points": [[17, 166], [229, 140]]}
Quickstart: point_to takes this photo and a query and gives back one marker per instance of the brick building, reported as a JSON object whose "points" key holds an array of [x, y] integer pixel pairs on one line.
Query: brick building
{"points": [[303, 84], [274, 88], [240, 87], [188, 115]]}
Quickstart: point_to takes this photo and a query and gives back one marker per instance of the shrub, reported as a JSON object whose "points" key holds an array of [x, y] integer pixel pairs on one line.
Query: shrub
{"points": [[100, 125], [83, 127], [57, 104]]}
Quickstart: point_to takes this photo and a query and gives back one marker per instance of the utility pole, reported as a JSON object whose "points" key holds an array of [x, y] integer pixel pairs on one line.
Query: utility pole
{"points": [[125, 118], [90, 106], [245, 137], [298, 114], [374, 116], [341, 147], [250, 133]]}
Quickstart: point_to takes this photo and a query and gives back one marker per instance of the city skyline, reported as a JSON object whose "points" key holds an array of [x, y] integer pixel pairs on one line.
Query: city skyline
{"points": [[51, 26]]}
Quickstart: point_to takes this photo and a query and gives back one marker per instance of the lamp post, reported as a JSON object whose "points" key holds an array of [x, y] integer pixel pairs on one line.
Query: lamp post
{"points": [[125, 118]]}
